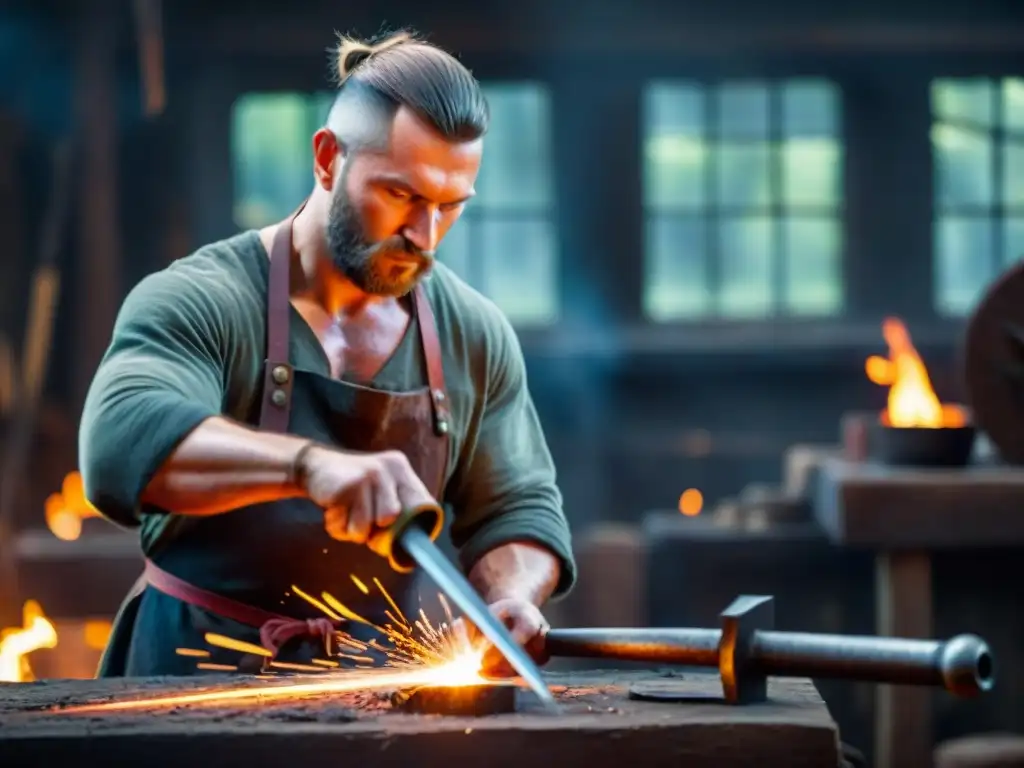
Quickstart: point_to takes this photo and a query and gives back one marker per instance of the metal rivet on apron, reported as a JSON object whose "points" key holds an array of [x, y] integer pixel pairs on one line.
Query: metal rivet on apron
{"points": [[280, 374], [442, 427], [279, 398], [438, 395]]}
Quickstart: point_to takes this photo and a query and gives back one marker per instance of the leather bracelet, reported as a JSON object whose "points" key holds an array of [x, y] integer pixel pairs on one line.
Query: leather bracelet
{"points": [[297, 472]]}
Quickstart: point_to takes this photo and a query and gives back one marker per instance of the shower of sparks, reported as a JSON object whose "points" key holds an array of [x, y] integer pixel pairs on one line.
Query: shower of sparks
{"points": [[417, 654]]}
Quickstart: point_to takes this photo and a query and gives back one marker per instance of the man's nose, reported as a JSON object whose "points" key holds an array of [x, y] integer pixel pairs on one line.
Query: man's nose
{"points": [[422, 229]]}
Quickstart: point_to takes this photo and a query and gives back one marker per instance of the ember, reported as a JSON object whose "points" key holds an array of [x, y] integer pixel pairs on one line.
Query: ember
{"points": [[464, 701]]}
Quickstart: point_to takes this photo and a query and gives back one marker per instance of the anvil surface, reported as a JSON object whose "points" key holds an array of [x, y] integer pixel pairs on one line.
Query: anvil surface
{"points": [[599, 725]]}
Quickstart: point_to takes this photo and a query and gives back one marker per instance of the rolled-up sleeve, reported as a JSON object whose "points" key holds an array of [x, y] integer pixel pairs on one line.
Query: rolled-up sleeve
{"points": [[163, 374], [504, 489]]}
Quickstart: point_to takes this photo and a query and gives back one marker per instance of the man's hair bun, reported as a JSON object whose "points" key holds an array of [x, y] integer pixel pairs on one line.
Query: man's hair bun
{"points": [[353, 53]]}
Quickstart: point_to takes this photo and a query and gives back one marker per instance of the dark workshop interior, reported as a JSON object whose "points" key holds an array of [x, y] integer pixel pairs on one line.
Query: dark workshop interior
{"points": [[713, 227]]}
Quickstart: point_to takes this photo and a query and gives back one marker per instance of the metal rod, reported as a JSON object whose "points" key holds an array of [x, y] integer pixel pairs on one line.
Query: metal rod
{"points": [[962, 665], [689, 647]]}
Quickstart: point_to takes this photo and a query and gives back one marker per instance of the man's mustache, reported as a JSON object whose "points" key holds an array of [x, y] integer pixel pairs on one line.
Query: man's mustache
{"points": [[401, 245]]}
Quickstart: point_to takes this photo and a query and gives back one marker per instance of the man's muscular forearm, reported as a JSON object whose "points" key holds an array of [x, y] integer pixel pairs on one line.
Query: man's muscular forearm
{"points": [[223, 466], [518, 570]]}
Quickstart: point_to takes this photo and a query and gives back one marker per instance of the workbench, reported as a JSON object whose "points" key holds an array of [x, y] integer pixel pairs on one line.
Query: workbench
{"points": [[904, 515], [599, 725]]}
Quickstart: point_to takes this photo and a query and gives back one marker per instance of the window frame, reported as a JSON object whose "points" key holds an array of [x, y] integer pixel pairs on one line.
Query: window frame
{"points": [[479, 211], [601, 232], [998, 211], [777, 210]]}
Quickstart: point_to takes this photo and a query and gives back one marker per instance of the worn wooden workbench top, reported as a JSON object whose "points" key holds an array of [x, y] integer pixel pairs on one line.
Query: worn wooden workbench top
{"points": [[599, 724]]}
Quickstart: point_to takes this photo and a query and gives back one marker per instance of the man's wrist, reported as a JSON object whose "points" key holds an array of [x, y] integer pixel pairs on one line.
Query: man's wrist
{"points": [[299, 468], [517, 570]]}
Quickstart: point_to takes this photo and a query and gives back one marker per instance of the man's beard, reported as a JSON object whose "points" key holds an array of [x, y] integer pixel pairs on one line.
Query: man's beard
{"points": [[380, 269]]}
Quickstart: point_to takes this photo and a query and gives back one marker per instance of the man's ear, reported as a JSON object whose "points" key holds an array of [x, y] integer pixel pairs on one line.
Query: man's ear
{"points": [[328, 155]]}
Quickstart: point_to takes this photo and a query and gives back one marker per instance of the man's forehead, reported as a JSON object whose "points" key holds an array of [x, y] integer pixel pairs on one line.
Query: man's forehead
{"points": [[416, 155], [410, 137]]}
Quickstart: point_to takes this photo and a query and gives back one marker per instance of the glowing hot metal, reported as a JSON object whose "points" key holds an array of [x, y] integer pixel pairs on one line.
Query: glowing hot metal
{"points": [[462, 671], [411, 542]]}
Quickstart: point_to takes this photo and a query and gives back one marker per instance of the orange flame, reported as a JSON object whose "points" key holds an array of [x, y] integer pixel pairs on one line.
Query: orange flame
{"points": [[17, 642], [912, 401], [66, 510]]}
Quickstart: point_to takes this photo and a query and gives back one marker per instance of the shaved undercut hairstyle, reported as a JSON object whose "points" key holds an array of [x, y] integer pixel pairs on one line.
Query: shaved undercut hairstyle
{"points": [[400, 70]]}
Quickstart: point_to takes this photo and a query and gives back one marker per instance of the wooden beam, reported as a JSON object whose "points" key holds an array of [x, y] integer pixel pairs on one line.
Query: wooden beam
{"points": [[99, 248], [28, 387], [903, 714], [304, 36], [149, 31]]}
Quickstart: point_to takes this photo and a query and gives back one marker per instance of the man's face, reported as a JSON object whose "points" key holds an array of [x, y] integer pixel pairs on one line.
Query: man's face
{"points": [[391, 207]]}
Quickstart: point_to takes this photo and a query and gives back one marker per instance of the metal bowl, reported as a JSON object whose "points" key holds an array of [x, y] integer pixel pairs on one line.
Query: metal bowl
{"points": [[920, 446]]}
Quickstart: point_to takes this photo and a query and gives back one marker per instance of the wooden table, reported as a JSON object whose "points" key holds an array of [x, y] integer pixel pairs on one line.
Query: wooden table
{"points": [[600, 725], [904, 515]]}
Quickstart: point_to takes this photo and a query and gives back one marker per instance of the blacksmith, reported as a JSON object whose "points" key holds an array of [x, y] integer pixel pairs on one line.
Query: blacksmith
{"points": [[272, 400]]}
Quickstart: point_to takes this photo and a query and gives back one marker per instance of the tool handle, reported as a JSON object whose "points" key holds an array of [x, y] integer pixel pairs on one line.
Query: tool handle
{"points": [[428, 518]]}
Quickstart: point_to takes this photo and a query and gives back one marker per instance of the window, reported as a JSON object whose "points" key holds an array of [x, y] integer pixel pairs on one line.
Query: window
{"points": [[742, 197], [978, 150], [505, 243], [272, 153]]}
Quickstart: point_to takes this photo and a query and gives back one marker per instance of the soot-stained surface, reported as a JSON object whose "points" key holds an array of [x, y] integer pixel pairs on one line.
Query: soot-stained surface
{"points": [[599, 722]]}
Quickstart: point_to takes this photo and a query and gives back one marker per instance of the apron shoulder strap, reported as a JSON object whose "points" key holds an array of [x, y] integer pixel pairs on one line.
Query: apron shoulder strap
{"points": [[432, 354], [277, 372], [278, 375]]}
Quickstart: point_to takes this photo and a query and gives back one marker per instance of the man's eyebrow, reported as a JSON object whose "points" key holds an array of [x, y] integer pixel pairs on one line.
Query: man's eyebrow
{"points": [[397, 182]]}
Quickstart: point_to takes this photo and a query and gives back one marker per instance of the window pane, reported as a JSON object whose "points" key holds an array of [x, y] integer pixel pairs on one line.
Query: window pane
{"points": [[746, 266], [321, 106], [810, 109], [1013, 173], [812, 266], [1013, 239], [272, 159], [811, 171], [1013, 104], [675, 278], [742, 111], [519, 268], [963, 167], [964, 262], [963, 101], [743, 175], [454, 250], [811, 153], [675, 154], [516, 167]]}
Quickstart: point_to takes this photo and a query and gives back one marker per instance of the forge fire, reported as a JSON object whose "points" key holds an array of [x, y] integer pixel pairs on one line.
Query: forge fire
{"points": [[912, 401]]}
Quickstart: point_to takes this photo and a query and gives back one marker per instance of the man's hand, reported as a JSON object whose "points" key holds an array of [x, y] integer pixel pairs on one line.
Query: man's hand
{"points": [[360, 493], [526, 624]]}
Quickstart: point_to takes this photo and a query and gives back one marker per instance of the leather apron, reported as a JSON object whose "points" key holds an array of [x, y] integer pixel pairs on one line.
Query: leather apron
{"points": [[232, 574]]}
